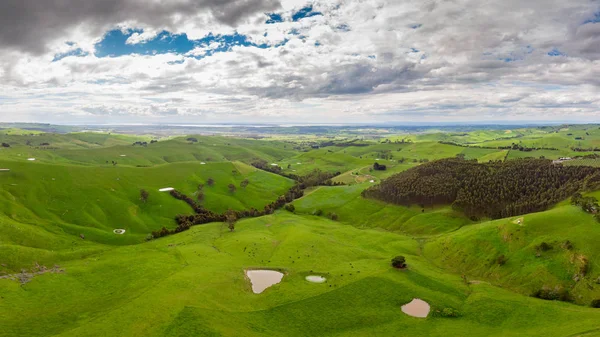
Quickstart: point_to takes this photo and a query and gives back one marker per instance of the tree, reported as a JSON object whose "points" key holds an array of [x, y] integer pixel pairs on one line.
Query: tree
{"points": [[596, 303], [231, 218], [232, 188], [290, 208], [399, 262], [200, 196], [144, 195], [244, 183], [192, 140], [5, 145], [210, 182], [200, 187]]}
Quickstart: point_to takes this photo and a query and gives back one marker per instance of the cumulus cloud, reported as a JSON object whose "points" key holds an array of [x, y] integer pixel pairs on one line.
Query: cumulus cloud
{"points": [[30, 24], [362, 61]]}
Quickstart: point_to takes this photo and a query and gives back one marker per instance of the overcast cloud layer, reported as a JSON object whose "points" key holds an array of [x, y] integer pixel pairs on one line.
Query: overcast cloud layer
{"points": [[297, 61]]}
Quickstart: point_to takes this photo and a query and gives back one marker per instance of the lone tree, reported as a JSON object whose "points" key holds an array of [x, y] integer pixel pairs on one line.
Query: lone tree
{"points": [[244, 183], [232, 188], [144, 195], [379, 167], [210, 181], [399, 262], [5, 145], [231, 218], [200, 196], [200, 187]]}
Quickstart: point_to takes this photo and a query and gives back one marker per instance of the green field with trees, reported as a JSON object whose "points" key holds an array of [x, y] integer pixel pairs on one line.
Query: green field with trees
{"points": [[109, 234]]}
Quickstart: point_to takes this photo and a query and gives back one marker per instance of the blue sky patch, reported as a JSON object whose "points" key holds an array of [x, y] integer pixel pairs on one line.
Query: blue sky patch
{"points": [[305, 12], [77, 52], [274, 18], [595, 19], [555, 52], [114, 44]]}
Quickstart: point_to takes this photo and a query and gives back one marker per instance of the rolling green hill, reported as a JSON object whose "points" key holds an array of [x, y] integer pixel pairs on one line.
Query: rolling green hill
{"points": [[65, 272]]}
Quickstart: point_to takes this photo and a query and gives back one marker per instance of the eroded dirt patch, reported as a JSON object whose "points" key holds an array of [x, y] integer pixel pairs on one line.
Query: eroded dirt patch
{"points": [[25, 276]]}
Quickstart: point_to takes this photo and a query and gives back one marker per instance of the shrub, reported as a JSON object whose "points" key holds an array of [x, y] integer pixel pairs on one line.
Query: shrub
{"points": [[399, 262], [318, 212], [333, 216], [232, 188], [449, 312], [567, 245], [596, 303], [585, 265], [544, 247], [556, 294], [290, 208], [144, 195]]}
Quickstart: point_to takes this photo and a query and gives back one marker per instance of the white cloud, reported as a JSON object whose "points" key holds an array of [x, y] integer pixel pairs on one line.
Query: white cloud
{"points": [[360, 61]]}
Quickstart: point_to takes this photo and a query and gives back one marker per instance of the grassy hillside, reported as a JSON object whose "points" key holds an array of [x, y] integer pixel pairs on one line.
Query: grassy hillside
{"points": [[64, 272], [103, 149], [351, 208], [198, 288], [52, 200], [474, 251]]}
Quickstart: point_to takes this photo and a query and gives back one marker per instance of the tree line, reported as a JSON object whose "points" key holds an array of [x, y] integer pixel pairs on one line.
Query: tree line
{"points": [[513, 146], [495, 189], [314, 178], [204, 216]]}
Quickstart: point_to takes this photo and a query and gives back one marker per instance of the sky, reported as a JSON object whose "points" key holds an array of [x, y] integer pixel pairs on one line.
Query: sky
{"points": [[296, 61]]}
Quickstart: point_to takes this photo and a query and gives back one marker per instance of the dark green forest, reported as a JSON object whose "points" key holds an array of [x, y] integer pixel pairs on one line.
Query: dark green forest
{"points": [[494, 189]]}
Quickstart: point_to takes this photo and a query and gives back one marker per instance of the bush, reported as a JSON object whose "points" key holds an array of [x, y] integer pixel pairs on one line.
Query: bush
{"points": [[290, 208], [567, 245], [318, 212], [449, 312], [556, 294], [596, 303], [544, 247], [333, 216], [399, 262]]}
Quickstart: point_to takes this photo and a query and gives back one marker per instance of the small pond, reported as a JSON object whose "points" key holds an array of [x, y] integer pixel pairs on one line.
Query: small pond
{"points": [[416, 308], [316, 279], [263, 279]]}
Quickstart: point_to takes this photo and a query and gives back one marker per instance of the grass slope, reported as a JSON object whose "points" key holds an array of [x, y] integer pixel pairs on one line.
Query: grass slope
{"points": [[473, 250], [40, 203], [357, 211], [198, 288]]}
